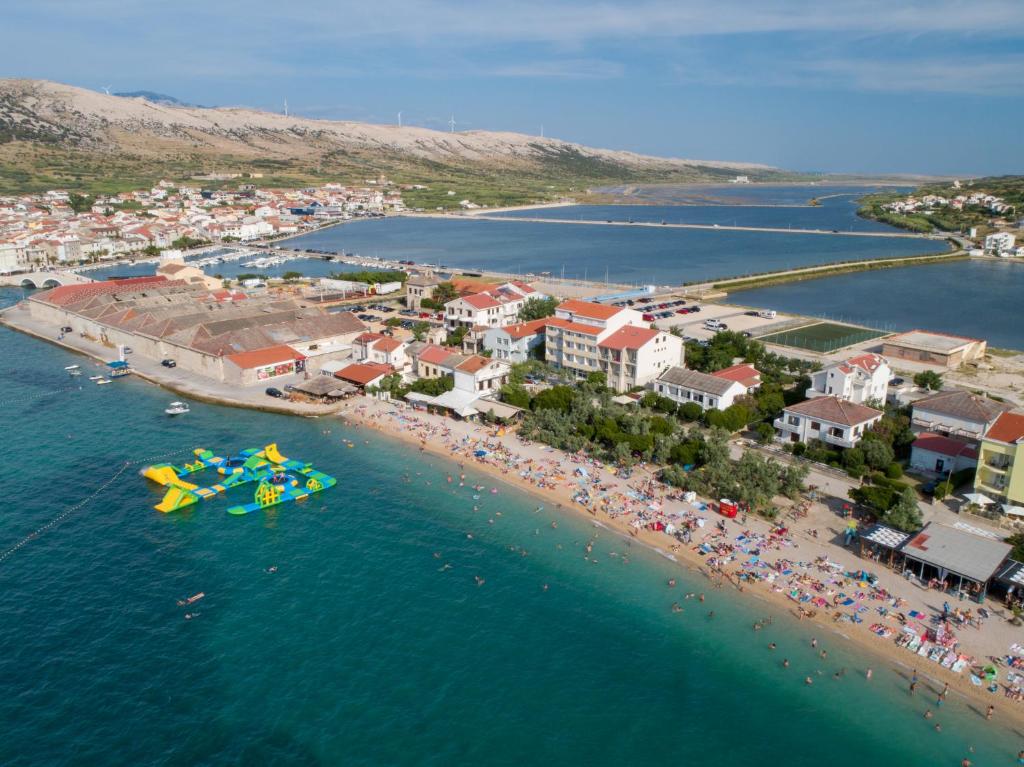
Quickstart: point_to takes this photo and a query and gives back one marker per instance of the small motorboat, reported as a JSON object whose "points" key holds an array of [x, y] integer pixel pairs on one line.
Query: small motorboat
{"points": [[73, 370], [177, 408], [71, 367], [95, 378], [102, 381]]}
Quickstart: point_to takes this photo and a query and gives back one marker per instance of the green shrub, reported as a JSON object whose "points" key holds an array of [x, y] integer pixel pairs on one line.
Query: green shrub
{"points": [[690, 411], [893, 471]]}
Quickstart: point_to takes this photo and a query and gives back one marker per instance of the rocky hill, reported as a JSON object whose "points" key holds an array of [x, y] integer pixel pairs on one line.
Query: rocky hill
{"points": [[54, 133]]}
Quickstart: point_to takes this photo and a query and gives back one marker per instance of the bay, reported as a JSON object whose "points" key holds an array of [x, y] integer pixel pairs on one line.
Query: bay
{"points": [[359, 649]]}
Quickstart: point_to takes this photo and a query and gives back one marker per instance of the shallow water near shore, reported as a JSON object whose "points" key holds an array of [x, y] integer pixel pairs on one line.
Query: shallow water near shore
{"points": [[361, 648]]}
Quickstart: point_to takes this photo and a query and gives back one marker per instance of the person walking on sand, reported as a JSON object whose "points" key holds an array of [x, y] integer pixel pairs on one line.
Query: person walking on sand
{"points": [[988, 714]]}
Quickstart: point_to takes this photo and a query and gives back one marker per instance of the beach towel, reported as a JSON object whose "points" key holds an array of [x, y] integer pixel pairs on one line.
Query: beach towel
{"points": [[976, 680], [916, 614], [848, 602]]}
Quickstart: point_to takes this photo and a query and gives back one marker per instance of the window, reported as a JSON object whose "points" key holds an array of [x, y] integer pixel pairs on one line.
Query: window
{"points": [[815, 426], [793, 420]]}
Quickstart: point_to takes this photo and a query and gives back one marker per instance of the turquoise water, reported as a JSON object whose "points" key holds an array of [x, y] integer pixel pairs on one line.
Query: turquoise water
{"points": [[358, 650], [627, 254], [980, 299]]}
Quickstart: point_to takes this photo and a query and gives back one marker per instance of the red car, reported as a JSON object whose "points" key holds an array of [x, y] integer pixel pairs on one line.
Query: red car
{"points": [[648, 318]]}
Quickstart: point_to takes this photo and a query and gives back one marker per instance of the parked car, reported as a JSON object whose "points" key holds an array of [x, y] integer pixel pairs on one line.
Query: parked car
{"points": [[273, 392], [66, 329], [896, 381], [169, 363], [648, 317]]}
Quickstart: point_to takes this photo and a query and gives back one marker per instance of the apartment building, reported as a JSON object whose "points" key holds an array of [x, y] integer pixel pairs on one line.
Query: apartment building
{"points": [[1000, 473], [860, 379]]}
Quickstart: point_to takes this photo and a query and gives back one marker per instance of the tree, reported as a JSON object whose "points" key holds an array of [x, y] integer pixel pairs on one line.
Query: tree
{"points": [[877, 454], [392, 322], [291, 276], [80, 203], [928, 379], [151, 251], [555, 398], [905, 514], [597, 380], [537, 309], [690, 411], [433, 387], [420, 330], [456, 336], [443, 293], [765, 433], [516, 395]]}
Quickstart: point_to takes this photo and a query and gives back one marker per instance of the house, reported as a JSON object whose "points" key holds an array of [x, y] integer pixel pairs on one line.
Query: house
{"points": [[490, 308], [430, 360], [860, 379], [634, 356], [515, 343], [955, 413], [364, 374], [1000, 471], [937, 454], [375, 347], [709, 391], [829, 419], [938, 349], [418, 287], [744, 373], [262, 366], [481, 375]]}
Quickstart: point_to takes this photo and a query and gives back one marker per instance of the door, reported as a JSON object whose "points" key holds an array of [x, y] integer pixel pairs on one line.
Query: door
{"points": [[939, 464]]}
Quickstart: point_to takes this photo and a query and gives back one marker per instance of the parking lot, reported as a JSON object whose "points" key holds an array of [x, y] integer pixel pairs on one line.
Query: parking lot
{"points": [[667, 312]]}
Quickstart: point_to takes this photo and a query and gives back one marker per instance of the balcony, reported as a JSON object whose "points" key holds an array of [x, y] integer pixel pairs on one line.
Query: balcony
{"points": [[998, 464]]}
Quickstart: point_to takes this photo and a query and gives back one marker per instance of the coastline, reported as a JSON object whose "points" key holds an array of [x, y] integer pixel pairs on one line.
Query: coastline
{"points": [[370, 415]]}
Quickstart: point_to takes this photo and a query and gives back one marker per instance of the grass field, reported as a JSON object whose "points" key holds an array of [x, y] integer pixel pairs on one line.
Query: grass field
{"points": [[821, 337]]}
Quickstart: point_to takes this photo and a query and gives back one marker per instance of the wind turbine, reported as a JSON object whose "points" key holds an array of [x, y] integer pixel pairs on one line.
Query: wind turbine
{"points": [[399, 119], [286, 107], [451, 124], [106, 89], [542, 130]]}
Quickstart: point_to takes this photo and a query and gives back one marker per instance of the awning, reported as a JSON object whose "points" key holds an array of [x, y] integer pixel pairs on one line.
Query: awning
{"points": [[979, 498], [1013, 511], [501, 410]]}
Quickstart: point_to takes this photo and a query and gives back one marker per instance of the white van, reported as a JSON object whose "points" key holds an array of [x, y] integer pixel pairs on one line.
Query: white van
{"points": [[766, 314], [713, 325]]}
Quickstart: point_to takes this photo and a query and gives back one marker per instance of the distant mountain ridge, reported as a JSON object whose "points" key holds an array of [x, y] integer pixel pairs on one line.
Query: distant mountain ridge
{"points": [[73, 127]]}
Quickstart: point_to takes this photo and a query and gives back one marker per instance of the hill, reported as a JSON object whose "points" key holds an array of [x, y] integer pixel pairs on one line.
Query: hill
{"points": [[54, 135]]}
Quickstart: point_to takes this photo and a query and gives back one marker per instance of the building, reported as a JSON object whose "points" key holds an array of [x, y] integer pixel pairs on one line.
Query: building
{"points": [[634, 356], [573, 334], [263, 366], [829, 419], [375, 347], [179, 270], [481, 375], [860, 379], [515, 343], [1000, 471], [936, 454], [418, 287], [711, 392], [432, 360], [999, 243], [490, 308], [955, 413], [744, 373], [364, 374], [933, 348]]}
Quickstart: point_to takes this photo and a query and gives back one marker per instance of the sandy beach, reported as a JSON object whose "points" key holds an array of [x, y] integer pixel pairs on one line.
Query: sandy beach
{"points": [[797, 561]]}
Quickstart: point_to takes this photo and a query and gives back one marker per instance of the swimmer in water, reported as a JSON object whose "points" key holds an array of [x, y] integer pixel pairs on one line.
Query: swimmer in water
{"points": [[272, 569], [479, 581], [771, 645], [785, 662], [444, 567], [671, 582]]}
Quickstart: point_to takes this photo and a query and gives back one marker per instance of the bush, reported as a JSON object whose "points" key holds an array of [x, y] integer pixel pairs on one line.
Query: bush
{"points": [[516, 395], [690, 411], [894, 471], [799, 448], [877, 454], [765, 433], [555, 398], [928, 379]]}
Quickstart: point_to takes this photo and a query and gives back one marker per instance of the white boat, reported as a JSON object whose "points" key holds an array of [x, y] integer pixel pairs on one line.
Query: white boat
{"points": [[177, 408], [74, 372], [71, 367], [103, 381], [95, 378]]}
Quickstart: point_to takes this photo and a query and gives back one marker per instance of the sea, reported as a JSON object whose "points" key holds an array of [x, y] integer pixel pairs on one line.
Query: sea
{"points": [[352, 630]]}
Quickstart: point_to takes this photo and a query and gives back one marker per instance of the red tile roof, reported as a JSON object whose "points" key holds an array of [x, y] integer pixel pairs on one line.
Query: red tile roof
{"points": [[387, 344], [365, 338], [588, 309], [936, 443], [69, 294], [744, 373], [835, 410], [481, 301], [1008, 427], [473, 364], [576, 327], [867, 362], [363, 373], [269, 355], [523, 329], [629, 337]]}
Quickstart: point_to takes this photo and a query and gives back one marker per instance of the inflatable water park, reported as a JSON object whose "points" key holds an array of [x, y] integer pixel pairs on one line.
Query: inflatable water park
{"points": [[278, 479]]}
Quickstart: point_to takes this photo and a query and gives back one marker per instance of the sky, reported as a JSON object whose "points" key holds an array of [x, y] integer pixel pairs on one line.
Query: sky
{"points": [[858, 86]]}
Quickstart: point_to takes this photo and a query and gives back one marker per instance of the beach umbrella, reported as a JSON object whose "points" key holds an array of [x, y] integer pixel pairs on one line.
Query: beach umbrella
{"points": [[979, 499]]}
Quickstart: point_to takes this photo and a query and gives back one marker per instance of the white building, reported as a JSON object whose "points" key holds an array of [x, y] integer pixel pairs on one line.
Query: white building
{"points": [[374, 347], [956, 413], [829, 419], [999, 243], [515, 342], [491, 308], [481, 375], [634, 356], [573, 335], [860, 379], [936, 454], [708, 391]]}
